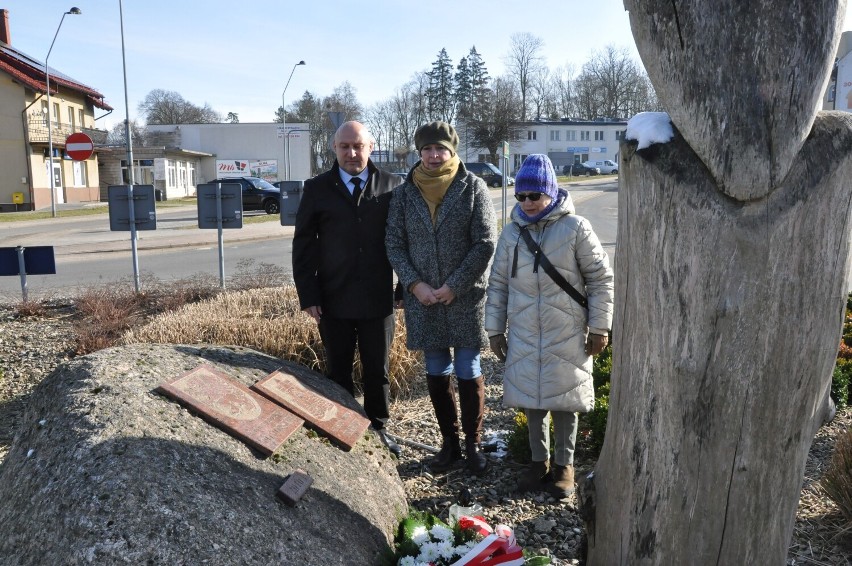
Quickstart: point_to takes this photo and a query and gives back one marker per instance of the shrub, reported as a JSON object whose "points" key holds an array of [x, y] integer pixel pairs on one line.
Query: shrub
{"points": [[840, 380], [837, 481], [596, 419]]}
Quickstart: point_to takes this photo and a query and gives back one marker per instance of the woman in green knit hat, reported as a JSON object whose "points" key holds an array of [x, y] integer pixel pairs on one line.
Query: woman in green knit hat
{"points": [[440, 238]]}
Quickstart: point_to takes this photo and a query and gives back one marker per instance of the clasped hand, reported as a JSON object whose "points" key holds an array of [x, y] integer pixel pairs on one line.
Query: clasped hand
{"points": [[429, 296]]}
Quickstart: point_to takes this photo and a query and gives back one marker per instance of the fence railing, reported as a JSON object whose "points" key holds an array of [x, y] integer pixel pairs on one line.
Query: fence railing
{"points": [[37, 131]]}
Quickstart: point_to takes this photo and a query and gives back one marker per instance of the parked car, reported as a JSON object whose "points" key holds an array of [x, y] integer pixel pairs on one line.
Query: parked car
{"points": [[257, 194], [580, 169], [490, 173], [605, 166]]}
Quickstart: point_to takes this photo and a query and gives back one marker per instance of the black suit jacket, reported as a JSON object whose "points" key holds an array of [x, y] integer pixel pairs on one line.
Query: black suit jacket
{"points": [[339, 258]]}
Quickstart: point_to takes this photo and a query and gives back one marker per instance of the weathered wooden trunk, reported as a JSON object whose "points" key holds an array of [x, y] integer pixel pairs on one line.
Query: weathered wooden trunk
{"points": [[731, 279], [728, 316]]}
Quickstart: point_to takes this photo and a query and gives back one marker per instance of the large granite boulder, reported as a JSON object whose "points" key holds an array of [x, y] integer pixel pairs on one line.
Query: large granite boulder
{"points": [[104, 470]]}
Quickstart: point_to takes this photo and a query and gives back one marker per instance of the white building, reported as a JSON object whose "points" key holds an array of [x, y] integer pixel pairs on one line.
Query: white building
{"points": [[564, 141], [254, 149], [838, 94]]}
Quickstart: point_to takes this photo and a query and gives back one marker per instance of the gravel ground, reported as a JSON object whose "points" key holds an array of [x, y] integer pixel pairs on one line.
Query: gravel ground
{"points": [[31, 347]]}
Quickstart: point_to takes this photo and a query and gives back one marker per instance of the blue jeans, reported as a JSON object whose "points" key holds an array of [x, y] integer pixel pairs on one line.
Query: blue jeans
{"points": [[465, 361]]}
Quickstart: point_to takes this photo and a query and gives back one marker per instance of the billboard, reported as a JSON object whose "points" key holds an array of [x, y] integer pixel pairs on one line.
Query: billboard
{"points": [[266, 169]]}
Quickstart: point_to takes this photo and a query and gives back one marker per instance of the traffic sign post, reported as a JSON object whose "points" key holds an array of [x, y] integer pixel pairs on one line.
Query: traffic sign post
{"points": [[212, 213], [79, 146], [504, 147], [34, 260]]}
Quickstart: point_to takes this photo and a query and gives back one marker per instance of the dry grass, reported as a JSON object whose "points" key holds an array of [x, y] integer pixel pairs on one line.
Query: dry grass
{"points": [[26, 309], [837, 481], [268, 320]]}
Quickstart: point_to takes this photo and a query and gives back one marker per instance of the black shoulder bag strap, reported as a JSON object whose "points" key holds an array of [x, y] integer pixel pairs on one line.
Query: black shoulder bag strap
{"points": [[541, 259]]}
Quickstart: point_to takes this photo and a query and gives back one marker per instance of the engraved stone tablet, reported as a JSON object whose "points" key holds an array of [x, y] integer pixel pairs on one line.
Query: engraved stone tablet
{"points": [[342, 425], [233, 407], [294, 487]]}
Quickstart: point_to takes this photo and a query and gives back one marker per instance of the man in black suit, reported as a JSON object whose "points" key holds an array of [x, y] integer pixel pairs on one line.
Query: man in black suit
{"points": [[341, 270]]}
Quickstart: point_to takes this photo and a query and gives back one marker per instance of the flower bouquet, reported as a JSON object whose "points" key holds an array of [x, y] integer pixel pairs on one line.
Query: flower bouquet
{"points": [[424, 540]]}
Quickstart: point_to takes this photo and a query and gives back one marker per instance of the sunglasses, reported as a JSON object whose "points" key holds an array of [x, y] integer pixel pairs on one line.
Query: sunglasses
{"points": [[521, 197]]}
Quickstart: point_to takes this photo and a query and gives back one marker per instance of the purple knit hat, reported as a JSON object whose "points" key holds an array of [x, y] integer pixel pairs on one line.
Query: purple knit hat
{"points": [[536, 175]]}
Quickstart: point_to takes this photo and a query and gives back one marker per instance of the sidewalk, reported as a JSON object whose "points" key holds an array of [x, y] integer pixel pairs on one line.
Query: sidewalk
{"points": [[176, 227]]}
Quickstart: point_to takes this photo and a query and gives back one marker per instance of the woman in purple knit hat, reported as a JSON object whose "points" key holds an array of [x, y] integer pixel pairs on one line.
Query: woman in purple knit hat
{"points": [[552, 335]]}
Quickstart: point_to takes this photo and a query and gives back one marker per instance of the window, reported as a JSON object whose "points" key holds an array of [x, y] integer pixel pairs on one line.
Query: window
{"points": [[620, 134], [193, 180], [72, 120], [584, 135], [81, 116], [571, 135], [56, 115], [531, 135], [80, 173], [171, 174], [554, 135], [599, 135], [44, 112]]}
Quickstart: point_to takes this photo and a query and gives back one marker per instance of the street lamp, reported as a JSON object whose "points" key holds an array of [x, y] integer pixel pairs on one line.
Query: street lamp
{"points": [[284, 124], [75, 11]]}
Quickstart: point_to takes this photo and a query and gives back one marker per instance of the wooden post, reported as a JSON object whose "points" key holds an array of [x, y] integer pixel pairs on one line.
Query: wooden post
{"points": [[731, 281]]}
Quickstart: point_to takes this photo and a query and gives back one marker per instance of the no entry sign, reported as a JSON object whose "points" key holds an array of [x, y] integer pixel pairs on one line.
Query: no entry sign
{"points": [[79, 146]]}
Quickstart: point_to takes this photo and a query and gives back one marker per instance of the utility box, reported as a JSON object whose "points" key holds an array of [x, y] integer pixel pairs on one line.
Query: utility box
{"points": [[291, 196], [18, 198]]}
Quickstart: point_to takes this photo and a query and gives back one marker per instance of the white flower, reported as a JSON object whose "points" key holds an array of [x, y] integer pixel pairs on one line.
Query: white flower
{"points": [[407, 561], [446, 549], [420, 535], [439, 532], [429, 552]]}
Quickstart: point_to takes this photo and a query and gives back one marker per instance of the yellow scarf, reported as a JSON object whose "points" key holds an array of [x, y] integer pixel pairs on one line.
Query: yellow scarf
{"points": [[433, 184]]}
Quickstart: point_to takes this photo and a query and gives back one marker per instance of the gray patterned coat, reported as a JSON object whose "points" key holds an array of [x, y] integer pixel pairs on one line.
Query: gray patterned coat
{"points": [[456, 251]]}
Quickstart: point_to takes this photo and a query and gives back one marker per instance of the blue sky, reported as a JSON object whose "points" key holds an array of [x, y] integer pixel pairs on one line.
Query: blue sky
{"points": [[236, 56]]}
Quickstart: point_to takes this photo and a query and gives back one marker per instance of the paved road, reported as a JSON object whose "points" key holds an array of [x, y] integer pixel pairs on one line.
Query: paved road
{"points": [[88, 254]]}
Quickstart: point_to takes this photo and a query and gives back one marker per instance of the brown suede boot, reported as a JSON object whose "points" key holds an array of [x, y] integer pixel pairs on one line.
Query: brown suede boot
{"points": [[472, 401], [532, 478], [563, 481], [442, 395]]}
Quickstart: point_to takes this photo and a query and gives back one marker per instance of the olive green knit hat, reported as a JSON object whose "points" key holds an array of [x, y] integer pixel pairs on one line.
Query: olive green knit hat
{"points": [[439, 133]]}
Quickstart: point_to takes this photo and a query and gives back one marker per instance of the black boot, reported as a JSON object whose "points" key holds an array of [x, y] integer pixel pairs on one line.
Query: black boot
{"points": [[443, 398], [472, 400]]}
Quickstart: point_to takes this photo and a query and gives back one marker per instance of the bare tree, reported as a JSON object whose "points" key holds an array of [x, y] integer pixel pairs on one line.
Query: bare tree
{"points": [[381, 120], [616, 78], [169, 107], [543, 95], [524, 61], [118, 134], [731, 280], [500, 123], [563, 91], [344, 99]]}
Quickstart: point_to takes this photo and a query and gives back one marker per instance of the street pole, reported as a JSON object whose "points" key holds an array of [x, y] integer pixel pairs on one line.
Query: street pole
{"points": [[74, 11], [284, 125], [131, 174]]}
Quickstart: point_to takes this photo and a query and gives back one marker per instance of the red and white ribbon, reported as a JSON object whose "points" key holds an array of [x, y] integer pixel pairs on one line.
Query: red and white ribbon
{"points": [[498, 546]]}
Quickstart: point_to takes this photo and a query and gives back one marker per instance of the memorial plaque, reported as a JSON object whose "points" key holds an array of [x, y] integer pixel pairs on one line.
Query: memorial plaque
{"points": [[294, 487], [342, 425], [233, 407]]}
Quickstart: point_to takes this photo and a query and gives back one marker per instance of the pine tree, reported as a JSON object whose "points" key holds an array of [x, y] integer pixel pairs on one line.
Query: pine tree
{"points": [[441, 93]]}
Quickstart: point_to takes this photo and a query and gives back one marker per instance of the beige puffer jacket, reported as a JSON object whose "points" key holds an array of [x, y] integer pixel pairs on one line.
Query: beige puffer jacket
{"points": [[546, 365]]}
